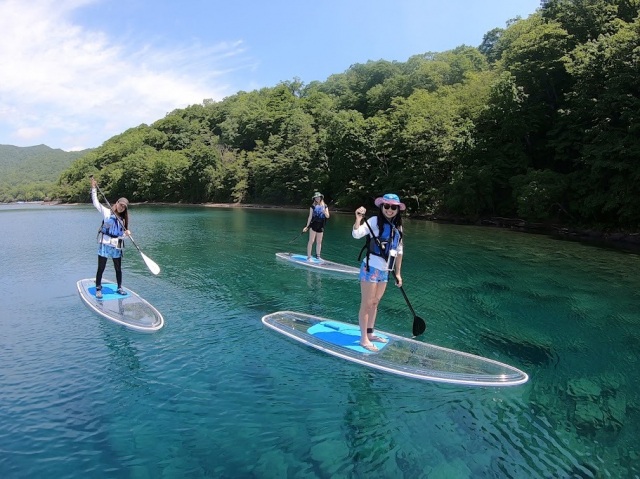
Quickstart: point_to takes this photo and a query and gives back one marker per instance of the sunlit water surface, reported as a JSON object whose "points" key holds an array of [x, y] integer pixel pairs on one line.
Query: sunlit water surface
{"points": [[216, 394]]}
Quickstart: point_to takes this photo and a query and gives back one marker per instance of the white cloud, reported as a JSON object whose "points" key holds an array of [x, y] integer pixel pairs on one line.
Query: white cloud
{"points": [[62, 82]]}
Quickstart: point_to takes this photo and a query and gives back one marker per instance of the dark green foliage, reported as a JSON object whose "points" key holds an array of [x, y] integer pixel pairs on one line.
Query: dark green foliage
{"points": [[606, 104], [540, 122], [489, 46]]}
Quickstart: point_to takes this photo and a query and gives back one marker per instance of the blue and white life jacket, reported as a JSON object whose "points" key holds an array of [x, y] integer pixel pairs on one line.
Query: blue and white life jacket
{"points": [[111, 232], [383, 244]]}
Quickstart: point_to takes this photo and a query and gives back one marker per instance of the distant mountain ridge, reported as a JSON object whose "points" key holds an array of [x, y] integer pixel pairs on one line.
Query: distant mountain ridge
{"points": [[31, 172]]}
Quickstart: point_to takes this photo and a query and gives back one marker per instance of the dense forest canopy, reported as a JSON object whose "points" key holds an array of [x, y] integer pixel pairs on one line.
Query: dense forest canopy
{"points": [[31, 173], [539, 122]]}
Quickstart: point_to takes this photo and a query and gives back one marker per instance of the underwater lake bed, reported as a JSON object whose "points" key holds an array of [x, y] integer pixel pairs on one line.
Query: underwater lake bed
{"points": [[216, 394]]}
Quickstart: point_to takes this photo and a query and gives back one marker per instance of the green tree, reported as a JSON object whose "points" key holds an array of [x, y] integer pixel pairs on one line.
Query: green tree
{"points": [[605, 105]]}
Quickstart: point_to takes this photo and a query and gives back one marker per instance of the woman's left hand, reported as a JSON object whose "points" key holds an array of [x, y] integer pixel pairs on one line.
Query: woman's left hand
{"points": [[398, 280], [127, 233]]}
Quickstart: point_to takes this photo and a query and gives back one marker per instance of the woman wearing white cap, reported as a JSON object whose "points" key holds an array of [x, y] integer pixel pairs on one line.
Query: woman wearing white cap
{"points": [[384, 254], [115, 226], [318, 215]]}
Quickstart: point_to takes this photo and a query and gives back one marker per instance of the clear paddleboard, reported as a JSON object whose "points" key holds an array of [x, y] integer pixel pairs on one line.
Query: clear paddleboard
{"points": [[399, 355], [320, 264], [129, 310]]}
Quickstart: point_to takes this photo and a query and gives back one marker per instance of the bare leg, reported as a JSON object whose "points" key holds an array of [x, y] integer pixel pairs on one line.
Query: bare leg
{"points": [[312, 238], [319, 243], [371, 294]]}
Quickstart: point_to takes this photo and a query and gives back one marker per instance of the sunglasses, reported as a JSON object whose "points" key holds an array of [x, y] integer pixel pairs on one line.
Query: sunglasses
{"points": [[386, 206]]}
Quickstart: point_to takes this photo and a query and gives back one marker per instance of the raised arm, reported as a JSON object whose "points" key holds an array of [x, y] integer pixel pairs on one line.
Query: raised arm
{"points": [[360, 229], [94, 199], [326, 210]]}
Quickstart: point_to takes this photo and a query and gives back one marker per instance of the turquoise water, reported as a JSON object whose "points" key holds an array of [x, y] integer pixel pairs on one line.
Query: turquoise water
{"points": [[216, 394]]}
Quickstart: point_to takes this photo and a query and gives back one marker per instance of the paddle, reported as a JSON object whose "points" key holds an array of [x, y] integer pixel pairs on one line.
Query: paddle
{"points": [[419, 326], [152, 265], [298, 236], [302, 232]]}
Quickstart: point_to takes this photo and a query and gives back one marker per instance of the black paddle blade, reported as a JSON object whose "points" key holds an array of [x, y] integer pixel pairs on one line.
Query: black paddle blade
{"points": [[419, 326]]}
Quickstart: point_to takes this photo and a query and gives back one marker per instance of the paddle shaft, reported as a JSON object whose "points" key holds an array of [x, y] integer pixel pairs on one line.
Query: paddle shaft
{"points": [[152, 265], [419, 325], [405, 296], [297, 236], [300, 234], [117, 217]]}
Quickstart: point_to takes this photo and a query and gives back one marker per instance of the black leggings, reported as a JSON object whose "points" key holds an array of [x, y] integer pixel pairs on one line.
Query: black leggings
{"points": [[102, 264]]}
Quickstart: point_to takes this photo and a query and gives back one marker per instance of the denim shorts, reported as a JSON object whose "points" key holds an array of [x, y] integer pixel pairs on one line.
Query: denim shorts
{"points": [[374, 275]]}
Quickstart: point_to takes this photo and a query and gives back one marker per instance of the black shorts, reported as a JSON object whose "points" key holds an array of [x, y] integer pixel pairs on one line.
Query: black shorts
{"points": [[318, 227]]}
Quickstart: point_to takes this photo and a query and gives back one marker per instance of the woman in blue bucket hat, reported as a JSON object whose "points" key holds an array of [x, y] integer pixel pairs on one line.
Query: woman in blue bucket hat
{"points": [[384, 250]]}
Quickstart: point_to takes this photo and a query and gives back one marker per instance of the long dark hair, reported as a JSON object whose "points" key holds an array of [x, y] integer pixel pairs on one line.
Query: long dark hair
{"points": [[397, 219], [124, 216]]}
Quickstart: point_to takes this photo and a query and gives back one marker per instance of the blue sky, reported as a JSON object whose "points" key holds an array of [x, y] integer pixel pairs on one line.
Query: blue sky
{"points": [[74, 73]]}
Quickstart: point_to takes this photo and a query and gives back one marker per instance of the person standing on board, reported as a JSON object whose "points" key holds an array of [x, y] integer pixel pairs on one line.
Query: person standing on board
{"points": [[318, 215], [115, 226], [384, 249]]}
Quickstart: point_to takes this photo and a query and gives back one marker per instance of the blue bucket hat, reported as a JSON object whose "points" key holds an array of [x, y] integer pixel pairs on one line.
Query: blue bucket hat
{"points": [[390, 199]]}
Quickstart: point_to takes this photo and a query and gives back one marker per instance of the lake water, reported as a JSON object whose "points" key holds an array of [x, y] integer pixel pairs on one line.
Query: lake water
{"points": [[216, 394]]}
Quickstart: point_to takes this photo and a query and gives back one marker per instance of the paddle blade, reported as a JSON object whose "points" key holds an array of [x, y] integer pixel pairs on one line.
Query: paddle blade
{"points": [[419, 326], [152, 265]]}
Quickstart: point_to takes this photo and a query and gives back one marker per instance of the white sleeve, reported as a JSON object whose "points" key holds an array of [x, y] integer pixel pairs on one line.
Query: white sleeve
{"points": [[363, 230], [94, 198]]}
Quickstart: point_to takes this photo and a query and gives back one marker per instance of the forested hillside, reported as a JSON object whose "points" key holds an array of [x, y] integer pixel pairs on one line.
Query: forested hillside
{"points": [[32, 173], [539, 122]]}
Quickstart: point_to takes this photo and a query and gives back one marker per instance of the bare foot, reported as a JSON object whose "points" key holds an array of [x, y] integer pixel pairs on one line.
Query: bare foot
{"points": [[370, 347], [378, 339]]}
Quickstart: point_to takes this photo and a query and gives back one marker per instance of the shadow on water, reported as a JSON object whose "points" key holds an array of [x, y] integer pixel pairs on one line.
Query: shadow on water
{"points": [[524, 351]]}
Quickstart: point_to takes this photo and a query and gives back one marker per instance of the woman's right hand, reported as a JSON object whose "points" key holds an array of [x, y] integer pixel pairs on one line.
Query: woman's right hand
{"points": [[305, 229], [360, 212], [94, 183]]}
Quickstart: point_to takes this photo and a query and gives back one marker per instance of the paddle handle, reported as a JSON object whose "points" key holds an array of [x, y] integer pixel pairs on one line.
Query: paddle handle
{"points": [[152, 265]]}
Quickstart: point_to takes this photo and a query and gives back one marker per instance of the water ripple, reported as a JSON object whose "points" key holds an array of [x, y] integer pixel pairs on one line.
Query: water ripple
{"points": [[215, 394]]}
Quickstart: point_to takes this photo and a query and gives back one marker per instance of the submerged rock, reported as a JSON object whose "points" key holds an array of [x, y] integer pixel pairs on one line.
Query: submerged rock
{"points": [[584, 389]]}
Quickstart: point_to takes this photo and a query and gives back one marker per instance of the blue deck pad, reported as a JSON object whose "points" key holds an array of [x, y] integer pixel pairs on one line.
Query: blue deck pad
{"points": [[341, 335], [303, 259], [108, 292]]}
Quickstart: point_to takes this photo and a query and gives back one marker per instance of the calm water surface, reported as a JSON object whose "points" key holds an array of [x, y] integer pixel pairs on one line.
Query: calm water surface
{"points": [[216, 394]]}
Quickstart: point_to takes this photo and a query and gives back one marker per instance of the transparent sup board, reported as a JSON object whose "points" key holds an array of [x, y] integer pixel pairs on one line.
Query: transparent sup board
{"points": [[321, 264], [402, 356], [129, 310]]}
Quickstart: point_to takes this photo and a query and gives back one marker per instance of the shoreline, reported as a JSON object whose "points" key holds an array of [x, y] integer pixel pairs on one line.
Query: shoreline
{"points": [[618, 240]]}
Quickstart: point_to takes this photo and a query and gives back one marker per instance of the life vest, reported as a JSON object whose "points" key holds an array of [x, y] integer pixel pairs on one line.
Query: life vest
{"points": [[318, 217], [318, 213], [384, 245], [113, 229]]}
